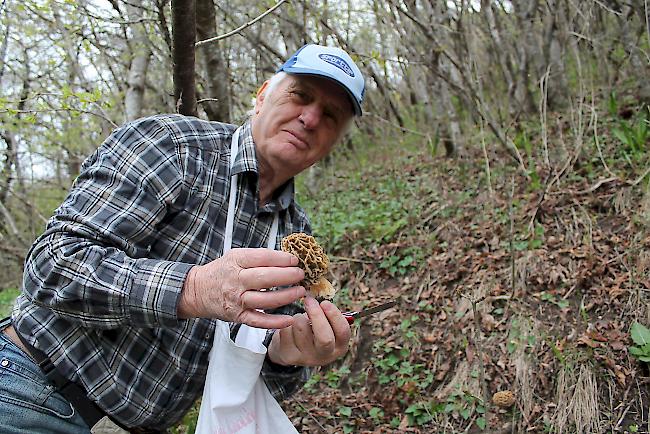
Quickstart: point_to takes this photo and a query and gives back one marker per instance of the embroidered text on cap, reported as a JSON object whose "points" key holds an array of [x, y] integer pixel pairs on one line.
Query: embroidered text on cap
{"points": [[338, 62]]}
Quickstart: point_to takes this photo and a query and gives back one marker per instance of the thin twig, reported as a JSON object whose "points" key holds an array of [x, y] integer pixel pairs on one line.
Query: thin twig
{"points": [[512, 238], [201, 101], [240, 28], [600, 152], [479, 348], [346, 259], [487, 160], [301, 403], [399, 127], [56, 110]]}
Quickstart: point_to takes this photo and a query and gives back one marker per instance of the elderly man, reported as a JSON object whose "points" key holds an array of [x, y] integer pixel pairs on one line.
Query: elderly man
{"points": [[122, 291]]}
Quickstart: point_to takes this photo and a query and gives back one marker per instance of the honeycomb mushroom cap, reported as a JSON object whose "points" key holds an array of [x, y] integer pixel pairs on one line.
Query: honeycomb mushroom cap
{"points": [[313, 260], [503, 399]]}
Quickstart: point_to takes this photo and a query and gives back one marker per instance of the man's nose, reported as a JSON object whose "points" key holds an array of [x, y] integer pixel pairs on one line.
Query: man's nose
{"points": [[311, 116]]}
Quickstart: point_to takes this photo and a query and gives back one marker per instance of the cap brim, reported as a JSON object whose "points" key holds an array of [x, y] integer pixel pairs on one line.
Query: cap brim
{"points": [[305, 71]]}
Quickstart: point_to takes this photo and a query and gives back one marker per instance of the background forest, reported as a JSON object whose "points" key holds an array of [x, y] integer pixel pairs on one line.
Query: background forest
{"points": [[497, 185]]}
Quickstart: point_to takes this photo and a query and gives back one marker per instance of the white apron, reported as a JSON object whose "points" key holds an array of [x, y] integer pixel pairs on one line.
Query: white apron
{"points": [[235, 397]]}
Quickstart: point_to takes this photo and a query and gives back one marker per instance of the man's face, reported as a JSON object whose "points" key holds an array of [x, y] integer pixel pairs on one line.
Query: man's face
{"points": [[299, 123]]}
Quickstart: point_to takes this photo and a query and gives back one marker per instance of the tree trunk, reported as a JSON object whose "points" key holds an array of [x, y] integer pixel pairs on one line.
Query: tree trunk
{"points": [[183, 40], [216, 75], [141, 52]]}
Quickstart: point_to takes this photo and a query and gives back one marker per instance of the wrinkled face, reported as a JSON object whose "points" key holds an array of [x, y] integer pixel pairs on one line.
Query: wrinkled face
{"points": [[299, 123]]}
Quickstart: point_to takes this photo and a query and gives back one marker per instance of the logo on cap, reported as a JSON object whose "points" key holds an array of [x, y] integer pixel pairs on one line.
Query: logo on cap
{"points": [[338, 62]]}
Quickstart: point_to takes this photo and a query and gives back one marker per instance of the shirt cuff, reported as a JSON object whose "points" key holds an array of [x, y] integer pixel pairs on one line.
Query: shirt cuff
{"points": [[156, 289]]}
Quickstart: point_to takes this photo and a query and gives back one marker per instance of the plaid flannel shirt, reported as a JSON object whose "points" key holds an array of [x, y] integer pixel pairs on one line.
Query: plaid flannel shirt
{"points": [[101, 285]]}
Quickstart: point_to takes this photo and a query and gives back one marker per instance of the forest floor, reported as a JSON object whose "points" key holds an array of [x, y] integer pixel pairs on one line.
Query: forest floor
{"points": [[527, 282]]}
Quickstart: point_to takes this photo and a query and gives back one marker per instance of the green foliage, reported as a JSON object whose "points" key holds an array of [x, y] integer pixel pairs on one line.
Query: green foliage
{"points": [[393, 364], [187, 425], [420, 413], [634, 134], [402, 262], [376, 414], [361, 211], [641, 336], [310, 385], [612, 104], [517, 336], [551, 298], [7, 298], [465, 405], [458, 405], [333, 377], [522, 142]]}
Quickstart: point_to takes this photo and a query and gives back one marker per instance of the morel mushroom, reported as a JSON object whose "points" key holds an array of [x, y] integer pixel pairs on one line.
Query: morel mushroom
{"points": [[503, 399], [313, 261]]}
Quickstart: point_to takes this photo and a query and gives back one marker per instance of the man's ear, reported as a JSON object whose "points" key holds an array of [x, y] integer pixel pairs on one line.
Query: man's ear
{"points": [[259, 98]]}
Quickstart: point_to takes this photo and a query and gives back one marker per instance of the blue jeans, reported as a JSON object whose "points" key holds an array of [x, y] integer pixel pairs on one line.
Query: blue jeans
{"points": [[29, 403]]}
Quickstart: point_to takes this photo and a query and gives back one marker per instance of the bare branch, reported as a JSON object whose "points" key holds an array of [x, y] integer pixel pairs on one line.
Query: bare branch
{"points": [[240, 28]]}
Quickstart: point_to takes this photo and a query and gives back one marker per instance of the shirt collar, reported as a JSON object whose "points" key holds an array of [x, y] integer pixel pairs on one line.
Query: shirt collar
{"points": [[246, 161]]}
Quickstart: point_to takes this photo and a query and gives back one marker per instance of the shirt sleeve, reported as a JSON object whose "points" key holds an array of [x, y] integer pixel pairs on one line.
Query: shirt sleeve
{"points": [[91, 264]]}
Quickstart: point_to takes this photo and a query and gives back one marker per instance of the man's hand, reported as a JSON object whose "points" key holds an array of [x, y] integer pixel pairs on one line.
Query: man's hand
{"points": [[316, 338], [228, 288]]}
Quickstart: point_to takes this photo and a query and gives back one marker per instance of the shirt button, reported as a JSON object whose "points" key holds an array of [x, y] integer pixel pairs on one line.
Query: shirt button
{"points": [[4, 363]]}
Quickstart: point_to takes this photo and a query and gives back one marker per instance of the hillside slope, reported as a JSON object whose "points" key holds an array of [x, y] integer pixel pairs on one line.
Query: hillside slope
{"points": [[508, 282]]}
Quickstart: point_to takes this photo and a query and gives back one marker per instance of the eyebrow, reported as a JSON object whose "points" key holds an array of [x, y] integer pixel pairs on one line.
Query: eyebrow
{"points": [[334, 108]]}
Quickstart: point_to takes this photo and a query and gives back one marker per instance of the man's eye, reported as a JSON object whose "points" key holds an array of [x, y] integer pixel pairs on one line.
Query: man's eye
{"points": [[329, 114], [300, 94]]}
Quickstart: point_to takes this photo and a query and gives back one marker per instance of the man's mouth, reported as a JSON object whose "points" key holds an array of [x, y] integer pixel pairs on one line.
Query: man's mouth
{"points": [[298, 140]]}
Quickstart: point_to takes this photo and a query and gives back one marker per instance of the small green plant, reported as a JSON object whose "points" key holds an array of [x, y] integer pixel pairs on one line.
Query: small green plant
{"points": [[612, 104], [419, 413], [464, 405], [532, 242], [310, 385], [641, 336], [333, 377], [376, 414], [393, 364], [634, 134], [403, 261], [550, 298]]}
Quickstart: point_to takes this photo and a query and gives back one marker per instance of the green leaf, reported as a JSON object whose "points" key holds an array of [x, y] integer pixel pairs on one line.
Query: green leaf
{"points": [[376, 413], [480, 422], [640, 334], [636, 351], [345, 411]]}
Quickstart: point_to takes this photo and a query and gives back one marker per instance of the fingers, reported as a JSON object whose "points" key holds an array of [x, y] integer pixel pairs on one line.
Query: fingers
{"points": [[255, 318], [323, 335], [339, 323], [267, 277], [251, 258], [272, 299], [317, 337]]}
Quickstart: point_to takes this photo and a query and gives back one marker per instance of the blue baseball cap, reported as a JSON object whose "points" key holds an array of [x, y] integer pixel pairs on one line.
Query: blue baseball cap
{"points": [[330, 62]]}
